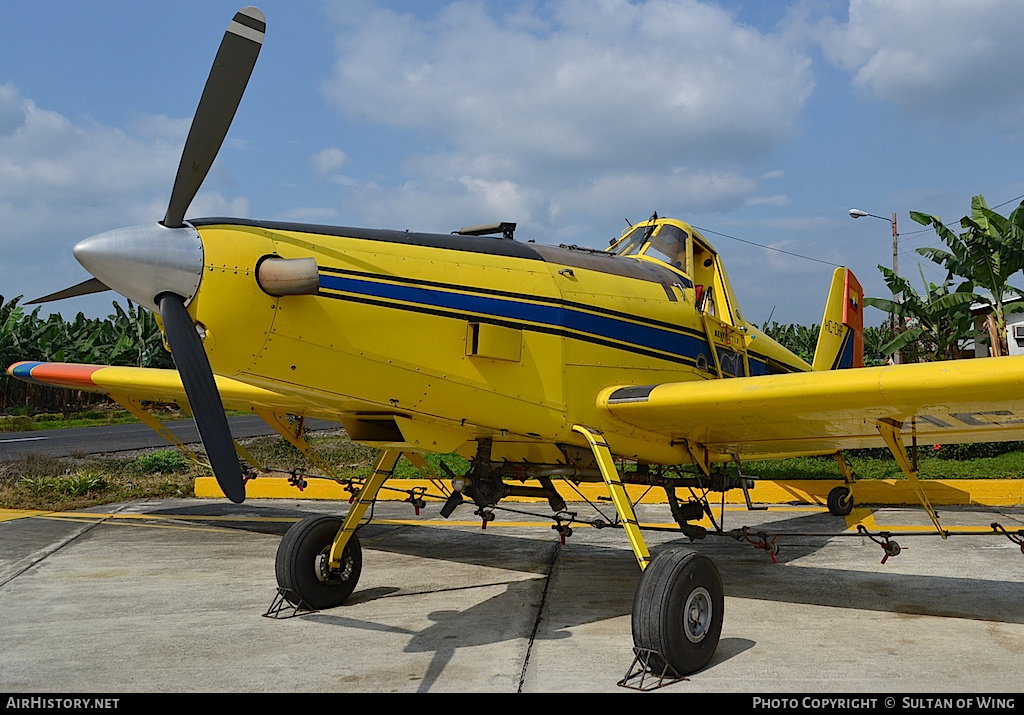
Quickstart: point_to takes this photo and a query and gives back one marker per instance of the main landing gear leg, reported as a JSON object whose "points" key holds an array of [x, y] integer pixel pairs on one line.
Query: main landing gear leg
{"points": [[679, 600], [319, 559], [840, 499]]}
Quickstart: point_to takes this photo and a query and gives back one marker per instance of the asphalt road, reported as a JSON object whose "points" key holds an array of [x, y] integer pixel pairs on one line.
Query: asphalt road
{"points": [[169, 596], [117, 438]]}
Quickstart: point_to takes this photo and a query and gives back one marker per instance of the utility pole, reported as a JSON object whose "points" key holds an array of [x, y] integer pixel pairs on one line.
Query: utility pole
{"points": [[893, 323]]}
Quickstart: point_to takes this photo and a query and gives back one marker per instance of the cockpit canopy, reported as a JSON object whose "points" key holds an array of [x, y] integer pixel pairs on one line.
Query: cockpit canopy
{"points": [[662, 241], [683, 249]]}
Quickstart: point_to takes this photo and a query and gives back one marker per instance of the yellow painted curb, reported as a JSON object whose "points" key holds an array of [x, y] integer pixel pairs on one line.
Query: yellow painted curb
{"points": [[12, 514], [978, 492]]}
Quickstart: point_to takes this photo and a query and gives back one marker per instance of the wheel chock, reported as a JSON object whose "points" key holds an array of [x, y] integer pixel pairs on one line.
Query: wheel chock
{"points": [[641, 676], [287, 604]]}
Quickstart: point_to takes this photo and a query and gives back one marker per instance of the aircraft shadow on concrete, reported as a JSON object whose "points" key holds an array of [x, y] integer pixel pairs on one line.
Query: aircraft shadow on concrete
{"points": [[588, 583], [747, 572]]}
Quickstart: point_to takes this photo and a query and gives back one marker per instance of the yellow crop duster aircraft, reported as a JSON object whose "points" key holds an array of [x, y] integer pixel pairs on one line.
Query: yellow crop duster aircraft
{"points": [[537, 362]]}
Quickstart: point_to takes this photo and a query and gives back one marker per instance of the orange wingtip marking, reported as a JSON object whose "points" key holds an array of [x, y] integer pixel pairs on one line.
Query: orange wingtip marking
{"points": [[60, 374]]}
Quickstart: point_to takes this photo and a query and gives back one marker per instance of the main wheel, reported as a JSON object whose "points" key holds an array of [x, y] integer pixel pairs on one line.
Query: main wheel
{"points": [[840, 501], [678, 609], [302, 563]]}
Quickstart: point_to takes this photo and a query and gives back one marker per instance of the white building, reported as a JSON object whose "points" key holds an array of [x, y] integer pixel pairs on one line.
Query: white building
{"points": [[1014, 328]]}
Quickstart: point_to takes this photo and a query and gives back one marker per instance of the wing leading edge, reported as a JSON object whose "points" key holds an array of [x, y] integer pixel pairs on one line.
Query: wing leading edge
{"points": [[823, 412], [150, 384]]}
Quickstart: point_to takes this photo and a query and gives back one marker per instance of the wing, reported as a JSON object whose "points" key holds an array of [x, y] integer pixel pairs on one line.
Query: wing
{"points": [[979, 400], [149, 384]]}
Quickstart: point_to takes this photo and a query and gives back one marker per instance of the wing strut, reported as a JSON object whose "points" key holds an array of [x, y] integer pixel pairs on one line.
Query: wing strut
{"points": [[292, 432], [134, 406], [620, 499], [893, 436]]}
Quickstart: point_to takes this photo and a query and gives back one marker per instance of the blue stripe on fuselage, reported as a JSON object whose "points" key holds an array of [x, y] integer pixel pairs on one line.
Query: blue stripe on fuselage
{"points": [[553, 316]]}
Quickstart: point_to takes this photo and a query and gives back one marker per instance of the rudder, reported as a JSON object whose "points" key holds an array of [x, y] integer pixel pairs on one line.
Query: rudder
{"points": [[841, 339]]}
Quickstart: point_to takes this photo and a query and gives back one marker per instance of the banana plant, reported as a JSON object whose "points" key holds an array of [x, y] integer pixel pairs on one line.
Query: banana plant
{"points": [[939, 320], [798, 339], [127, 337], [139, 341], [985, 256]]}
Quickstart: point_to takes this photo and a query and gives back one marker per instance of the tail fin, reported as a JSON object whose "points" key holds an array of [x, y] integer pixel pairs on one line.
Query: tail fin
{"points": [[841, 340]]}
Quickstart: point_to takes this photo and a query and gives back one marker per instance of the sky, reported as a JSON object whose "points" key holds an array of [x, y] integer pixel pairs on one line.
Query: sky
{"points": [[760, 122]]}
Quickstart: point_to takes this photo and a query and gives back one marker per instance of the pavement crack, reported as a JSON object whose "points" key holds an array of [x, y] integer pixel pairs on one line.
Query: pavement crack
{"points": [[540, 614], [55, 548]]}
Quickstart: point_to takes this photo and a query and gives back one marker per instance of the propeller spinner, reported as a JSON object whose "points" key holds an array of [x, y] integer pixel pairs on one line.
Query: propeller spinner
{"points": [[160, 265]]}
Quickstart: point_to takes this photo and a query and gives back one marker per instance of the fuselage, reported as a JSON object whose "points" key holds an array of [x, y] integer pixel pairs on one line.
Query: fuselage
{"points": [[432, 341]]}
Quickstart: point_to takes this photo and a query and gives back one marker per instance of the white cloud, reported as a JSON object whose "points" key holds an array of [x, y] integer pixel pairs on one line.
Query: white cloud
{"points": [[61, 181], [647, 191], [440, 205], [311, 215], [328, 161], [937, 58], [603, 83], [212, 203], [501, 197], [45, 157], [436, 203], [12, 113], [573, 106], [775, 200]]}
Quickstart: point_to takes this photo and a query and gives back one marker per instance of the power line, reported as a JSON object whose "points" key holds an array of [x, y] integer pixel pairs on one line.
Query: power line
{"points": [[997, 206], [767, 248], [915, 233], [829, 263], [1017, 198]]}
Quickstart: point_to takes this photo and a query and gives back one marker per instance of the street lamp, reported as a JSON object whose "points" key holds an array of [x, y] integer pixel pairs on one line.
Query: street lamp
{"points": [[857, 213]]}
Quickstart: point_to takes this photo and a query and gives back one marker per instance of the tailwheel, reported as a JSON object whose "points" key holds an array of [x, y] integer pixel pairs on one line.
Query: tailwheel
{"points": [[840, 501], [303, 559], [677, 611]]}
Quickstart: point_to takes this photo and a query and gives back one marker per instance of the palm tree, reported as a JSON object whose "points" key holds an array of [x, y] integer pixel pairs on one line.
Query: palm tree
{"points": [[938, 318], [798, 339], [985, 256], [128, 337]]}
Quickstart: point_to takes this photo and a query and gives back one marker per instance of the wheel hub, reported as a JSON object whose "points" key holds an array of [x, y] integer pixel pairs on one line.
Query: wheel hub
{"points": [[697, 615], [323, 571]]}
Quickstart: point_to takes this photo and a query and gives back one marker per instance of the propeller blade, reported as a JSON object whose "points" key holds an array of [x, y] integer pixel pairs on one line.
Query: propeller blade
{"points": [[93, 285], [201, 389], [224, 88]]}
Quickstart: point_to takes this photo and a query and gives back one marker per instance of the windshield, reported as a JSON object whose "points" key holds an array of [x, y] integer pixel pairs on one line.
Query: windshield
{"points": [[631, 245], [664, 242], [669, 245]]}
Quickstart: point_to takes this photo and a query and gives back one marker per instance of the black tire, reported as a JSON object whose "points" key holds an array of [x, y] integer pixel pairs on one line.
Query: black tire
{"points": [[840, 501], [678, 610], [301, 563]]}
